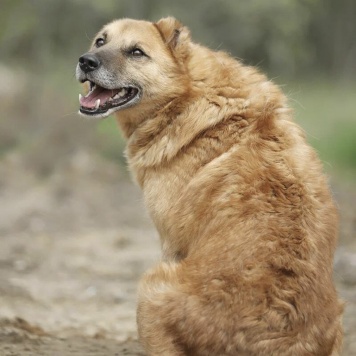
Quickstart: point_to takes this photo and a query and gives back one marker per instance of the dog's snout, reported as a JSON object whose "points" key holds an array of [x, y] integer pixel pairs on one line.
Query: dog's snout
{"points": [[89, 62]]}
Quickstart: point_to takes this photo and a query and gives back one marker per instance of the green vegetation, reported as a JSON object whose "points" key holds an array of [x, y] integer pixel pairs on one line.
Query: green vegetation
{"points": [[327, 113], [113, 144], [297, 41]]}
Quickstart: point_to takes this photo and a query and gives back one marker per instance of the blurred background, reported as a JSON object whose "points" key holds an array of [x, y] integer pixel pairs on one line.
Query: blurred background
{"points": [[308, 46], [74, 237]]}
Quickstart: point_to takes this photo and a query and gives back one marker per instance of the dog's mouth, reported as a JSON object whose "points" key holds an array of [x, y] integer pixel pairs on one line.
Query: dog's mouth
{"points": [[100, 100]]}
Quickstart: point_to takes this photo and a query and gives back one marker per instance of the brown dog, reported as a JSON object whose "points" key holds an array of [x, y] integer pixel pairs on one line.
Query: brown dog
{"points": [[247, 223]]}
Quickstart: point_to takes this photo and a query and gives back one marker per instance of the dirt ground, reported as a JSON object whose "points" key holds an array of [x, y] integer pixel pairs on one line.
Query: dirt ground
{"points": [[72, 248]]}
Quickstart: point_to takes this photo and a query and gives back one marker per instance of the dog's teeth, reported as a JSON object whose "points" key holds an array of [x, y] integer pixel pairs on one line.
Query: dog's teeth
{"points": [[97, 104], [80, 97], [120, 94]]}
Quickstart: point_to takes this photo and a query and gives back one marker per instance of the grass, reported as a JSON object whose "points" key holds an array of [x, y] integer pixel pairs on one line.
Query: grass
{"points": [[327, 113], [47, 117], [113, 143]]}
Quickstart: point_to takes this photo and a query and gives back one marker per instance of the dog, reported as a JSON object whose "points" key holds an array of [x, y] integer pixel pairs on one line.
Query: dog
{"points": [[247, 223]]}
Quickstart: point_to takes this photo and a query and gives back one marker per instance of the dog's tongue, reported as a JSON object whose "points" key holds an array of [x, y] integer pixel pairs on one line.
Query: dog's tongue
{"points": [[98, 93]]}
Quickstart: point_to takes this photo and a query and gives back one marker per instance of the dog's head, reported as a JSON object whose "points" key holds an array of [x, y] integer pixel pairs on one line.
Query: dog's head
{"points": [[133, 64]]}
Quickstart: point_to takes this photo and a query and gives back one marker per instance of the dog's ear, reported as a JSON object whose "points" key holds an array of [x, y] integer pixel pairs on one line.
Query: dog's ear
{"points": [[173, 33]]}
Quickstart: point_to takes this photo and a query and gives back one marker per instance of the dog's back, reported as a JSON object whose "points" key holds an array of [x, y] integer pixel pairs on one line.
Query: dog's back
{"points": [[247, 223]]}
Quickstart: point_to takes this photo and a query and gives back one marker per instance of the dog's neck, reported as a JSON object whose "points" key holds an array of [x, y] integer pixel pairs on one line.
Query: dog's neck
{"points": [[156, 135]]}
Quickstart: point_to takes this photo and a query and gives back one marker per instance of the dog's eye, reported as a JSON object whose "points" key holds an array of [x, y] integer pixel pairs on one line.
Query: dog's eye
{"points": [[99, 42], [136, 52]]}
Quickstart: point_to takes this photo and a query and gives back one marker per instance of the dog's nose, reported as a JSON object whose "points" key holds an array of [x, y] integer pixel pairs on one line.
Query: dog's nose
{"points": [[89, 62]]}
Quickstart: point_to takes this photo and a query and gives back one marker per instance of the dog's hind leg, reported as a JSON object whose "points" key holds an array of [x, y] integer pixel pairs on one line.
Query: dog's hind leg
{"points": [[158, 309]]}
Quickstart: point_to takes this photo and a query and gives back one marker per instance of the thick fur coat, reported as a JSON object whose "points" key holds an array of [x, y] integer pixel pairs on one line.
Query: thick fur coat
{"points": [[247, 223]]}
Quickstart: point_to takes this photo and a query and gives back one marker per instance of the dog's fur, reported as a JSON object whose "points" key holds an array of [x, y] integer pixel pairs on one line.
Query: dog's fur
{"points": [[247, 223]]}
